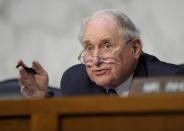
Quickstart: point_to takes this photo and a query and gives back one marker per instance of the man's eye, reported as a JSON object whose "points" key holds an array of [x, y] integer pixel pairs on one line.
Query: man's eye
{"points": [[89, 48], [107, 46]]}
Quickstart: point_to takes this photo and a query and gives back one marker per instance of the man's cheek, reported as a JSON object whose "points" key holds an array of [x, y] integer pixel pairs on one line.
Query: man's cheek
{"points": [[89, 72]]}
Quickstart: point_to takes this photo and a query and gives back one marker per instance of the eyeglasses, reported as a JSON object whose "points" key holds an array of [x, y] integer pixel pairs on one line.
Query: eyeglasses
{"points": [[107, 54]]}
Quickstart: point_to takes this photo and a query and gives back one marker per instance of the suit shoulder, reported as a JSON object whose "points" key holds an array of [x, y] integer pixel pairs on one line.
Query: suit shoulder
{"points": [[75, 70], [75, 80], [155, 67]]}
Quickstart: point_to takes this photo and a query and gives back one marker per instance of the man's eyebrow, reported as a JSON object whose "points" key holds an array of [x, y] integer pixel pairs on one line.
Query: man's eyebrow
{"points": [[86, 42], [106, 40], [109, 39]]}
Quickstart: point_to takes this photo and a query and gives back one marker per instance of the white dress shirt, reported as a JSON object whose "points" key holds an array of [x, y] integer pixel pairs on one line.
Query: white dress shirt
{"points": [[123, 89]]}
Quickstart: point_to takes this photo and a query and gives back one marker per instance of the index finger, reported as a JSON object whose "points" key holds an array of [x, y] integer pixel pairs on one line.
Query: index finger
{"points": [[20, 63]]}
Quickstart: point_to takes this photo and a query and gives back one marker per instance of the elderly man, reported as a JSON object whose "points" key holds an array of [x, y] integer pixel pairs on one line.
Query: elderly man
{"points": [[111, 56]]}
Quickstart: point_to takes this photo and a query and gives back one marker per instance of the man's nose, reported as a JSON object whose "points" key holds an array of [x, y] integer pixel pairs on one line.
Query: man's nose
{"points": [[96, 57], [96, 60]]}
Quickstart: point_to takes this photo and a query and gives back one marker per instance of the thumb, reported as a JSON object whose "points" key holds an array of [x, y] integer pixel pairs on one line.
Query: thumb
{"points": [[38, 68], [20, 62]]}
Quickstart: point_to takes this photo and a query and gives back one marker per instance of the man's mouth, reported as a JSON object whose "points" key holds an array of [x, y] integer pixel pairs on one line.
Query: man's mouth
{"points": [[99, 72]]}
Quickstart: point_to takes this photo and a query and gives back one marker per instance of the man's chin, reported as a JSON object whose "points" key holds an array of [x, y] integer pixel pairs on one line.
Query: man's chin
{"points": [[102, 82]]}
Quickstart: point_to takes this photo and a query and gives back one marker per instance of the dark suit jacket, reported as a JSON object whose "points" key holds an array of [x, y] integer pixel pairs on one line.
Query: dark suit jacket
{"points": [[75, 80]]}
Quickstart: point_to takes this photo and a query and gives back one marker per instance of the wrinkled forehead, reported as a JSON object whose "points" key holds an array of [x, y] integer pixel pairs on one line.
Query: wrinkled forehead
{"points": [[103, 18], [101, 27], [101, 21]]}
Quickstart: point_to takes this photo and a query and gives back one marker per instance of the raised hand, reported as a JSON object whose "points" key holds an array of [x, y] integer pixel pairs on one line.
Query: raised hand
{"points": [[33, 85]]}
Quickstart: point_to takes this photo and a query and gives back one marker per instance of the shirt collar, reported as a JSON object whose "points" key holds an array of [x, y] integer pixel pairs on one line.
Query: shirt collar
{"points": [[123, 89]]}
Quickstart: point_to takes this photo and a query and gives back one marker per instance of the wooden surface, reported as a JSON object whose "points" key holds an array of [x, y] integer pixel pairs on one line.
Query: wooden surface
{"points": [[94, 113]]}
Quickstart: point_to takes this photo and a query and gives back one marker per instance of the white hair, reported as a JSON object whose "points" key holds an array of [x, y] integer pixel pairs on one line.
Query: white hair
{"points": [[128, 30]]}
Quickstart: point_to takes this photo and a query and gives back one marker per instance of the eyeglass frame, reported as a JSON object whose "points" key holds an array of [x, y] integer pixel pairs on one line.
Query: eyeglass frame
{"points": [[80, 55]]}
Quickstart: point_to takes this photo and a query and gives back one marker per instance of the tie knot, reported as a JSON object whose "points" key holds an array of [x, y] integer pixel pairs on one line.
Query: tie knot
{"points": [[111, 92]]}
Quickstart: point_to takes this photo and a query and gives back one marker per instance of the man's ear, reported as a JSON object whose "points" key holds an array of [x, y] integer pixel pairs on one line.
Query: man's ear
{"points": [[136, 48]]}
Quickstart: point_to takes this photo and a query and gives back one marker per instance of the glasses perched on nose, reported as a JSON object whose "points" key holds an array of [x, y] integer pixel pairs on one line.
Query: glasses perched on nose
{"points": [[106, 53]]}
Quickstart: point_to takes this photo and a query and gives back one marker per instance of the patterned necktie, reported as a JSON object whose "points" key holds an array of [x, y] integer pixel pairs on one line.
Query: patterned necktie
{"points": [[111, 92]]}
